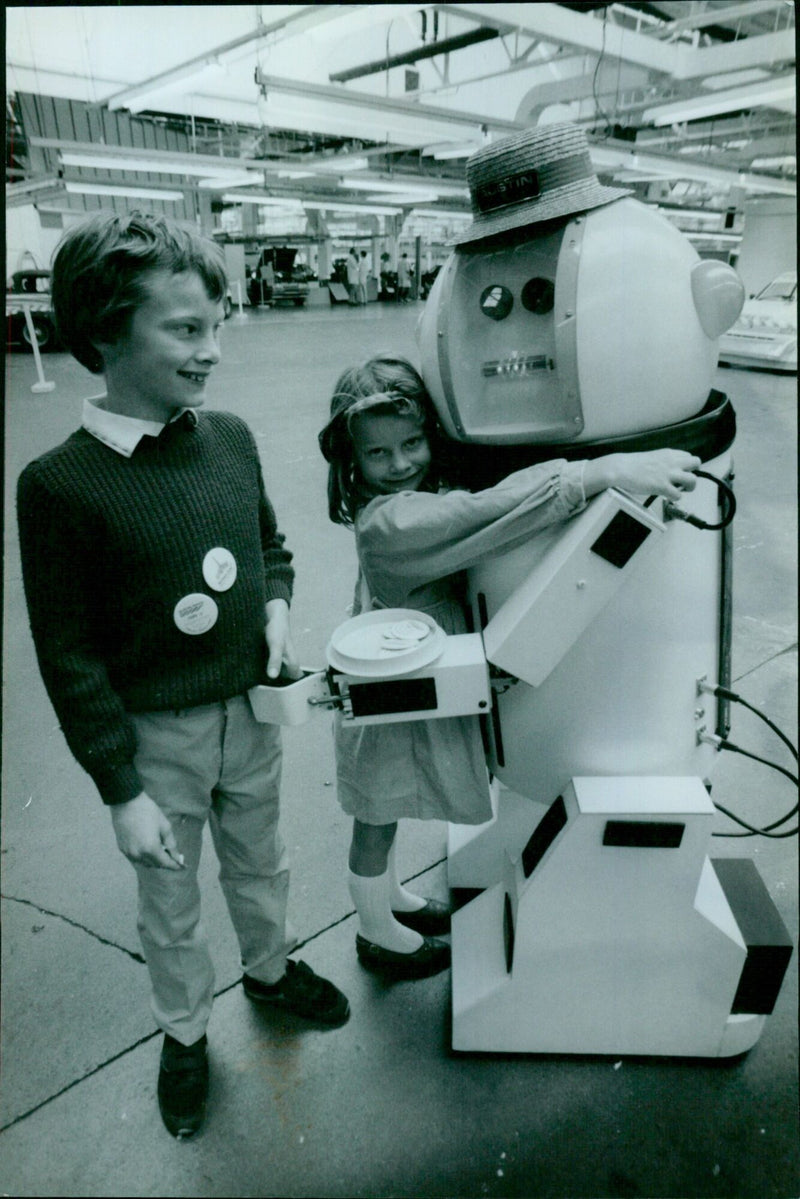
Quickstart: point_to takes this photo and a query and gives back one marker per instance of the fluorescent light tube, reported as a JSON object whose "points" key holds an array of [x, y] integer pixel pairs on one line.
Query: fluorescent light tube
{"points": [[445, 213], [134, 193], [331, 206], [452, 149], [403, 186], [287, 203], [412, 198], [232, 179], [157, 166], [759, 95]]}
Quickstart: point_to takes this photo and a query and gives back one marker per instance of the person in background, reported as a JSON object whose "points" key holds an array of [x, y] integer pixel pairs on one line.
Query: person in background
{"points": [[351, 267], [363, 275], [403, 279]]}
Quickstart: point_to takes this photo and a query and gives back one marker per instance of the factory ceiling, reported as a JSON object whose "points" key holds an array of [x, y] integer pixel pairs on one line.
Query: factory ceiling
{"points": [[373, 109]]}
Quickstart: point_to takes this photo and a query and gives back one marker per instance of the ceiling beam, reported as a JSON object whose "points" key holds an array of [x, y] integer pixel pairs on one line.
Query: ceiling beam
{"points": [[718, 16], [764, 93], [765, 50], [609, 155], [557, 24], [309, 16]]}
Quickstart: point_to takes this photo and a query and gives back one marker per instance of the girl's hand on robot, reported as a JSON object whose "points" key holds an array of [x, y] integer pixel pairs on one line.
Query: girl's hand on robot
{"points": [[660, 472]]}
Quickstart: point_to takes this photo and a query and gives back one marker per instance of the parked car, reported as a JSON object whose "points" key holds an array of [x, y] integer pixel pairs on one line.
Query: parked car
{"points": [[765, 335], [34, 286], [30, 289], [276, 279]]}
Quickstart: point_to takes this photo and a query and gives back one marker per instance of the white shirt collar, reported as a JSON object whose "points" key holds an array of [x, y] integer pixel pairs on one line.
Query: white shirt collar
{"points": [[118, 432]]}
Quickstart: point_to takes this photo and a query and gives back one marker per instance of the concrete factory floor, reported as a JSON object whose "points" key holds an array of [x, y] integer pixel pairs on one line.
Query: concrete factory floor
{"points": [[382, 1106]]}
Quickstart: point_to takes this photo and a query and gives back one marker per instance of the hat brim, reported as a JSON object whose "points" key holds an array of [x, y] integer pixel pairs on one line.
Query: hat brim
{"points": [[567, 201]]}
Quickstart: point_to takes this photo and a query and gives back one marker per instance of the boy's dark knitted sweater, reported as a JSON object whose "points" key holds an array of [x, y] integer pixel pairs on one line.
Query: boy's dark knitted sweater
{"points": [[110, 545]]}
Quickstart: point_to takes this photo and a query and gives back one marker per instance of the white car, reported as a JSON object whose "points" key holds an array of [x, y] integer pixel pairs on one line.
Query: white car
{"points": [[765, 335]]}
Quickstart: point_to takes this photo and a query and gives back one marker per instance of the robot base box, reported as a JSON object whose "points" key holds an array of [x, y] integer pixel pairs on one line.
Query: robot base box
{"points": [[614, 932]]}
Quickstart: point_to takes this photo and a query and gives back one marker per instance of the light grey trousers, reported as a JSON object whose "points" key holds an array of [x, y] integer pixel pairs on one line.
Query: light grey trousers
{"points": [[214, 763]]}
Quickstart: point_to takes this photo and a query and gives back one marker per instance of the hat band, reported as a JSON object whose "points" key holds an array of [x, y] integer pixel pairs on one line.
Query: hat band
{"points": [[528, 185]]}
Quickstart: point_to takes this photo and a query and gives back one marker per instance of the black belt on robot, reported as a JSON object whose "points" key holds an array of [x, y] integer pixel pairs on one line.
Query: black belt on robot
{"points": [[707, 434]]}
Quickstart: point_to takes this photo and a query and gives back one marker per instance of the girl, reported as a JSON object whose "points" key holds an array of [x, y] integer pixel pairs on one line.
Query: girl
{"points": [[415, 538]]}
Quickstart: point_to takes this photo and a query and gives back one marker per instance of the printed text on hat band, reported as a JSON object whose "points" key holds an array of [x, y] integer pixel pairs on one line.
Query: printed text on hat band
{"points": [[528, 185]]}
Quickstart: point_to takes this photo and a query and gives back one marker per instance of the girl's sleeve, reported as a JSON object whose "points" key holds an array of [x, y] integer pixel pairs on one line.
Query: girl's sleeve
{"points": [[419, 536]]}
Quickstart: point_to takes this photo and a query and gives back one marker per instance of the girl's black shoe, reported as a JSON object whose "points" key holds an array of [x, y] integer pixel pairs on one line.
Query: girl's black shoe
{"points": [[431, 957], [431, 921]]}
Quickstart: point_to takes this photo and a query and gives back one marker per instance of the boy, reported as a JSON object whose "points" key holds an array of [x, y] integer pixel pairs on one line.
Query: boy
{"points": [[158, 590]]}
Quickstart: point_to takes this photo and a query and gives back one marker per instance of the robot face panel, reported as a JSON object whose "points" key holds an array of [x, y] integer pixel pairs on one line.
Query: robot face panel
{"points": [[599, 326], [496, 344]]}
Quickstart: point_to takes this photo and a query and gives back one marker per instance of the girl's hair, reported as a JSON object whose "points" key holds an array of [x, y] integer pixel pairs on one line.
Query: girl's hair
{"points": [[384, 386], [100, 275]]}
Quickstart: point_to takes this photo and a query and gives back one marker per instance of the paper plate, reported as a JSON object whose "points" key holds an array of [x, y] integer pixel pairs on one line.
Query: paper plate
{"points": [[385, 643]]}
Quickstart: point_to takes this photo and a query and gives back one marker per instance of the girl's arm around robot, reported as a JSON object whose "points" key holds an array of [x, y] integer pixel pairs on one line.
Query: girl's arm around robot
{"points": [[421, 536]]}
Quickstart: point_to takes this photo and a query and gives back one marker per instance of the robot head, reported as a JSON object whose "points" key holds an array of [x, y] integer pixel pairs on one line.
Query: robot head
{"points": [[568, 310]]}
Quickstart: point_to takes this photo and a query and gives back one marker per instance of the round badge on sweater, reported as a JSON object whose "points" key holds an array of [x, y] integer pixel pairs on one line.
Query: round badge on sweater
{"points": [[219, 568], [195, 613]]}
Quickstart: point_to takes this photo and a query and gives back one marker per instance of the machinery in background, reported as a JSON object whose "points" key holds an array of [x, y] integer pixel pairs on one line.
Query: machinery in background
{"points": [[275, 279]]}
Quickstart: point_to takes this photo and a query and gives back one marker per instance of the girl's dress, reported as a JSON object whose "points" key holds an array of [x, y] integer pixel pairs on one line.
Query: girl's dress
{"points": [[413, 548]]}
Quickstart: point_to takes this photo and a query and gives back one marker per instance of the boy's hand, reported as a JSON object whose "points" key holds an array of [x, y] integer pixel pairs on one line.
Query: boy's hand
{"points": [[144, 834], [279, 641]]}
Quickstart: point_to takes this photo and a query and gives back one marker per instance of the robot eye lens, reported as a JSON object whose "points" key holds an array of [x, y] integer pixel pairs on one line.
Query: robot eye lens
{"points": [[538, 295], [496, 302]]}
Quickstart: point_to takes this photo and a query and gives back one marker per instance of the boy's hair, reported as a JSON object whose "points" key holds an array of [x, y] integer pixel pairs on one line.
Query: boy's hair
{"points": [[100, 269], [384, 386]]}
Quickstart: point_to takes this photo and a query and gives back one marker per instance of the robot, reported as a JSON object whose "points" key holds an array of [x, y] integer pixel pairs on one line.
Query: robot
{"points": [[570, 321]]}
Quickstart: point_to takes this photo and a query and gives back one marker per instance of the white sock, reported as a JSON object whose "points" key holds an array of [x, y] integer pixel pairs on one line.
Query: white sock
{"points": [[376, 922], [401, 900]]}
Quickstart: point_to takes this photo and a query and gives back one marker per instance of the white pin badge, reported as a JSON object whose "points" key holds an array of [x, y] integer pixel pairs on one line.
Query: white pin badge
{"points": [[219, 568], [195, 613]]}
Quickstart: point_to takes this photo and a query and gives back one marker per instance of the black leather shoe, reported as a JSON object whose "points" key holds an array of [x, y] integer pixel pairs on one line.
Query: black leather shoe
{"points": [[303, 992], [431, 920], [431, 957], [183, 1086]]}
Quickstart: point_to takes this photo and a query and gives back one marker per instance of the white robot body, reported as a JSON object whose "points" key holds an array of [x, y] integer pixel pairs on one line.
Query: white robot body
{"points": [[623, 697], [604, 926]]}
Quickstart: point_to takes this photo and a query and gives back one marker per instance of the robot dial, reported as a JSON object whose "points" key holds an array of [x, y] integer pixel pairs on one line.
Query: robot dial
{"points": [[538, 295], [496, 301]]}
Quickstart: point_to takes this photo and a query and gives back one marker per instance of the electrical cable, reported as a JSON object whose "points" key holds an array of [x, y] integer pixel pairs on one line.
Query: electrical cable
{"points": [[725, 693], [723, 743], [766, 831], [599, 108], [672, 512]]}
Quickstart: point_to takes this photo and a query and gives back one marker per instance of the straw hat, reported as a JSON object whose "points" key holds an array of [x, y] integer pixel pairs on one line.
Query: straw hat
{"points": [[537, 175]]}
